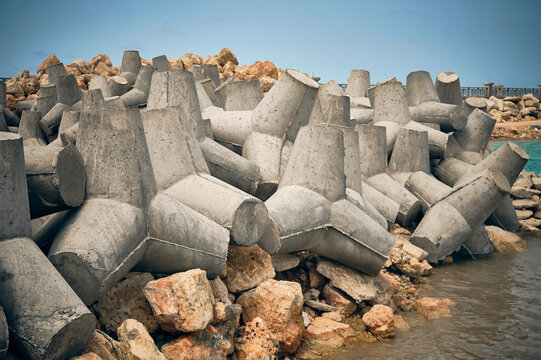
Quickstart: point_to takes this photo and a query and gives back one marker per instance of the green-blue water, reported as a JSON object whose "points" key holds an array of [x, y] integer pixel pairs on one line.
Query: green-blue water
{"points": [[532, 148]]}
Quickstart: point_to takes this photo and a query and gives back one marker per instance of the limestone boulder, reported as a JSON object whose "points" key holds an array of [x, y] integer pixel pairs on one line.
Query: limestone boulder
{"points": [[87, 356], [279, 305], [190, 60], [219, 291], [323, 331], [247, 267], [207, 344], [30, 85], [524, 214], [380, 321], [255, 341], [518, 192], [267, 83], [126, 300], [176, 63], [182, 301], [226, 319], [145, 62], [141, 344], [100, 58], [107, 348], [226, 56], [504, 241], [51, 60], [82, 66], [525, 204], [433, 308], [15, 88], [316, 279], [102, 69], [336, 298]]}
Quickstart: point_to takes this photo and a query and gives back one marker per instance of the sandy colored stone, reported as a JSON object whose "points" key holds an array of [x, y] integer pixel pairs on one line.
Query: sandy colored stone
{"points": [[226, 319], [81, 82], [323, 331], [51, 60], [107, 348], [335, 298], [267, 83], [316, 279], [100, 58], [141, 344], [504, 241], [15, 88], [211, 60], [176, 63], [145, 62], [518, 192], [30, 85], [524, 214], [247, 267], [190, 60], [279, 305], [72, 70], [400, 323], [333, 315], [102, 69], [380, 321], [126, 300], [283, 262], [225, 56], [433, 308], [219, 291], [207, 344], [255, 341], [182, 301], [87, 356]]}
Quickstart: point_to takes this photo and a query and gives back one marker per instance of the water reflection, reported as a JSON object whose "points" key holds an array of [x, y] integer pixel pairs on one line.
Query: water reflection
{"points": [[497, 313]]}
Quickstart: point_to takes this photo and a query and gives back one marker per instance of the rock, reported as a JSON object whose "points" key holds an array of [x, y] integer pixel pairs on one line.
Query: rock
{"points": [[532, 222], [380, 321], [82, 66], [279, 305], [182, 301], [107, 348], [30, 85], [513, 99], [524, 180], [359, 286], [335, 298], [529, 204], [537, 214], [536, 182], [226, 319], [145, 62], [207, 344], [267, 83], [524, 214], [448, 260], [414, 251], [219, 291], [87, 356], [72, 70], [81, 83], [283, 262], [102, 69], [44, 80], [229, 69], [329, 333], [333, 315], [225, 56], [504, 241], [400, 323], [140, 343], [409, 265], [255, 341], [22, 75], [176, 63], [190, 59], [247, 267], [11, 102], [530, 230], [316, 279], [51, 60], [211, 60], [15, 88], [126, 300], [100, 58], [523, 193], [320, 306], [115, 70], [263, 69], [432, 308], [307, 318], [312, 294]]}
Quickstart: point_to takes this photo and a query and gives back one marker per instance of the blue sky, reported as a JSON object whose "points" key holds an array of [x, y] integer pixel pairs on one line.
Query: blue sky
{"points": [[480, 40]]}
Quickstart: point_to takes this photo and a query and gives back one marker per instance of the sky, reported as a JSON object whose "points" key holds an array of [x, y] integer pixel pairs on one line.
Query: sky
{"points": [[496, 40]]}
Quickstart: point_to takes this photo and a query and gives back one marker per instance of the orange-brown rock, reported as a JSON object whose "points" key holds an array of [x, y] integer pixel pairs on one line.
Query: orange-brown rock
{"points": [[126, 300], [400, 323], [207, 344], [11, 101], [100, 58], [247, 267], [380, 321], [102, 69], [225, 56], [72, 70], [219, 291], [504, 241], [82, 66], [176, 63], [30, 85], [190, 59], [51, 60], [87, 356], [279, 305], [141, 345], [432, 308], [22, 75], [107, 348], [81, 82], [316, 279], [146, 62], [32, 97], [115, 70], [211, 60], [15, 88], [254, 341], [44, 80], [267, 68], [336, 298], [267, 83], [182, 301], [226, 319], [323, 331]]}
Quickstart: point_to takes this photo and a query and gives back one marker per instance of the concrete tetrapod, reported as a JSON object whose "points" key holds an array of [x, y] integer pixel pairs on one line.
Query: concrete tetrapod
{"points": [[275, 124], [46, 318], [449, 222], [30, 130], [473, 139], [410, 154], [46, 100], [3, 124], [182, 173], [131, 64], [100, 82], [430, 191], [121, 211], [448, 88], [139, 94], [4, 335], [68, 94], [358, 83], [311, 212], [177, 88], [242, 95], [161, 63], [208, 89], [207, 71]]}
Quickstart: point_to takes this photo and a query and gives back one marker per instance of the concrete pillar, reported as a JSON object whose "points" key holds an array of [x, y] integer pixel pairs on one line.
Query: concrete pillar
{"points": [[100, 82], [46, 100], [131, 65], [30, 130], [498, 89], [372, 149], [67, 94], [219, 91], [420, 88], [207, 71], [93, 100], [358, 83], [208, 87], [118, 86], [276, 120], [410, 153], [139, 94], [390, 103], [440, 144], [476, 134], [46, 318], [44, 228], [54, 72], [448, 88], [438, 113], [161, 63], [243, 95], [488, 89]]}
